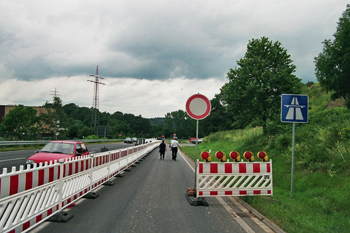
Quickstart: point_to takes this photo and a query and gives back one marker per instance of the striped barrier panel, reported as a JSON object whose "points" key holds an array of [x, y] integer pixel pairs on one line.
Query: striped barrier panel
{"points": [[234, 179], [24, 179], [52, 187]]}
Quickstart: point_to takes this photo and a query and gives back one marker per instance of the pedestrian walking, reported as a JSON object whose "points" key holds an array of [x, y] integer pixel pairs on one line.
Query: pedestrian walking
{"points": [[162, 149], [174, 147]]}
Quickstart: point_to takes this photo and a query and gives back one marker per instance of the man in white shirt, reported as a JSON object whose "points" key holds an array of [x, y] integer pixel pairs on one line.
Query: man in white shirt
{"points": [[174, 145]]}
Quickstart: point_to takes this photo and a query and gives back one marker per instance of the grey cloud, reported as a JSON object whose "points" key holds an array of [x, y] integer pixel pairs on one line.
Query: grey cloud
{"points": [[155, 40]]}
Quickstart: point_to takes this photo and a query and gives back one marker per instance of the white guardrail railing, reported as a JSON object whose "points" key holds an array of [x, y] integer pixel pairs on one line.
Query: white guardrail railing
{"points": [[32, 195]]}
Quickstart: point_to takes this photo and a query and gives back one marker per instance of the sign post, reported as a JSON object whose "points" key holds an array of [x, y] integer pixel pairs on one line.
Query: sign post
{"points": [[294, 109], [198, 107]]}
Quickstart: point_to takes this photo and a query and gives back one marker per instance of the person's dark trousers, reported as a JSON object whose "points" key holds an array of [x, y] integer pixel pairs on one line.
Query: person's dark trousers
{"points": [[174, 152]]}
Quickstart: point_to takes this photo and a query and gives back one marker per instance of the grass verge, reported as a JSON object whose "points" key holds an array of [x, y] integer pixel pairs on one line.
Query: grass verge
{"points": [[321, 178]]}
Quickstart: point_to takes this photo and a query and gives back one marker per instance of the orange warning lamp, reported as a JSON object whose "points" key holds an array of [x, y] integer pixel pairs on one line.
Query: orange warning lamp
{"points": [[206, 156], [249, 156], [235, 156], [221, 156], [262, 155]]}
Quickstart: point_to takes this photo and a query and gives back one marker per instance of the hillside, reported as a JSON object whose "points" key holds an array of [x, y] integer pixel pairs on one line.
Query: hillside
{"points": [[321, 172], [157, 120]]}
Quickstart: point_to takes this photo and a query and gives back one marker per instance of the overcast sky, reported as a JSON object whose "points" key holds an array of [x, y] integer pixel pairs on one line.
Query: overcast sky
{"points": [[152, 54]]}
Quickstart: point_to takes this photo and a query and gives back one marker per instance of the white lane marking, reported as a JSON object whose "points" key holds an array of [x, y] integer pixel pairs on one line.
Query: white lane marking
{"points": [[235, 216], [186, 161], [6, 160], [256, 220]]}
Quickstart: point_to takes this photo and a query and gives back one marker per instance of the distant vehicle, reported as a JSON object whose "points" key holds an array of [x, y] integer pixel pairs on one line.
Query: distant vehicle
{"points": [[128, 140], [57, 150], [193, 140], [148, 140], [134, 139]]}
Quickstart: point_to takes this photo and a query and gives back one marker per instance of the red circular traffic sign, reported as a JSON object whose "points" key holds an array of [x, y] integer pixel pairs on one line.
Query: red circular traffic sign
{"points": [[198, 106]]}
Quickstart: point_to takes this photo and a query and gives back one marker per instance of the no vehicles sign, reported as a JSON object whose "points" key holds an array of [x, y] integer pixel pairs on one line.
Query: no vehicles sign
{"points": [[198, 106]]}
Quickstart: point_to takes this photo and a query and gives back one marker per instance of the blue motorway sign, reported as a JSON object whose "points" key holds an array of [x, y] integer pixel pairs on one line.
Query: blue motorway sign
{"points": [[294, 108]]}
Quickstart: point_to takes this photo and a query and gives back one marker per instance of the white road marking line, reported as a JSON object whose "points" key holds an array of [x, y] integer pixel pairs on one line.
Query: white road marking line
{"points": [[235, 216], [187, 161], [256, 220], [6, 160]]}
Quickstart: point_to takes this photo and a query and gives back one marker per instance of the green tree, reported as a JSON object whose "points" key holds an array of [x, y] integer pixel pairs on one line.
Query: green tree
{"points": [[254, 88], [180, 123], [85, 132], [217, 119], [54, 122], [120, 127], [75, 112], [73, 131], [21, 122], [333, 64]]}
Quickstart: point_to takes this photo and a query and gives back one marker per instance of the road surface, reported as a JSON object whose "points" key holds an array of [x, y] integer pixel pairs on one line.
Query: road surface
{"points": [[152, 198]]}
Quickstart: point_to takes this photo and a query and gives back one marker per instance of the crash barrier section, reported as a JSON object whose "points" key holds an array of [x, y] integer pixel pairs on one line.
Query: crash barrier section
{"points": [[30, 196], [238, 178]]}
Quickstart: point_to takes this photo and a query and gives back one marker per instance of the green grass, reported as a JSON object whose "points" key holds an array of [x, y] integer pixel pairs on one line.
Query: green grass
{"points": [[321, 189], [320, 195]]}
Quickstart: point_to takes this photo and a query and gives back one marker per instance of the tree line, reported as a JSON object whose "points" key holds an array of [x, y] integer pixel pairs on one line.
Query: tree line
{"points": [[251, 97]]}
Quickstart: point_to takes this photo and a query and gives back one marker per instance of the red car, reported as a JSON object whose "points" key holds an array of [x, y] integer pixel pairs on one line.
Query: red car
{"points": [[57, 150], [193, 140]]}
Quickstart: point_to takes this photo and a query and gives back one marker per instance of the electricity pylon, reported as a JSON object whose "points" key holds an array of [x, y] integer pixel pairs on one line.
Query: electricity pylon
{"points": [[95, 102]]}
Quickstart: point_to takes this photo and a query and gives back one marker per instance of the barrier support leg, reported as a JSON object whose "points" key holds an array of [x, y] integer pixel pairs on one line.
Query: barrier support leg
{"points": [[192, 200], [108, 183], [91, 195], [61, 217]]}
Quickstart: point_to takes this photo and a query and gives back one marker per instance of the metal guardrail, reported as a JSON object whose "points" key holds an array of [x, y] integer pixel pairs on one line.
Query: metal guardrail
{"points": [[42, 142]]}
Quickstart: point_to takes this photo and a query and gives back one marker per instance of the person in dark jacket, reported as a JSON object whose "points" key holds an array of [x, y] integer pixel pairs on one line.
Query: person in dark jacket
{"points": [[162, 149]]}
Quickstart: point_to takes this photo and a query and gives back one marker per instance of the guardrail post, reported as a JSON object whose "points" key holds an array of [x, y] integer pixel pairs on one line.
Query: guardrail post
{"points": [[109, 182], [138, 155], [61, 216], [134, 157], [60, 186], [119, 172], [91, 194]]}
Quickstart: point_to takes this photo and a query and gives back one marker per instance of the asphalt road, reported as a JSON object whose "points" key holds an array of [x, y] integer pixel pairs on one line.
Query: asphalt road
{"points": [[11, 159], [152, 198]]}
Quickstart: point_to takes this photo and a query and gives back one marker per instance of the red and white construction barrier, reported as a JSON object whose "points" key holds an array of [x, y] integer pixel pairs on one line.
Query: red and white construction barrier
{"points": [[234, 179], [30, 196]]}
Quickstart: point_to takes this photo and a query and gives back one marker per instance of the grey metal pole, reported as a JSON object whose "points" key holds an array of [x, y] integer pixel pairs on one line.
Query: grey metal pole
{"points": [[195, 170], [293, 147]]}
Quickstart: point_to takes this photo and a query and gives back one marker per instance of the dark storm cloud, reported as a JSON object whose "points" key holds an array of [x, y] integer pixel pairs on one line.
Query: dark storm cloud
{"points": [[155, 40]]}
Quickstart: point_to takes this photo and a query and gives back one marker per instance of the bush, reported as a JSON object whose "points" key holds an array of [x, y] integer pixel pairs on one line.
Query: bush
{"points": [[92, 137]]}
